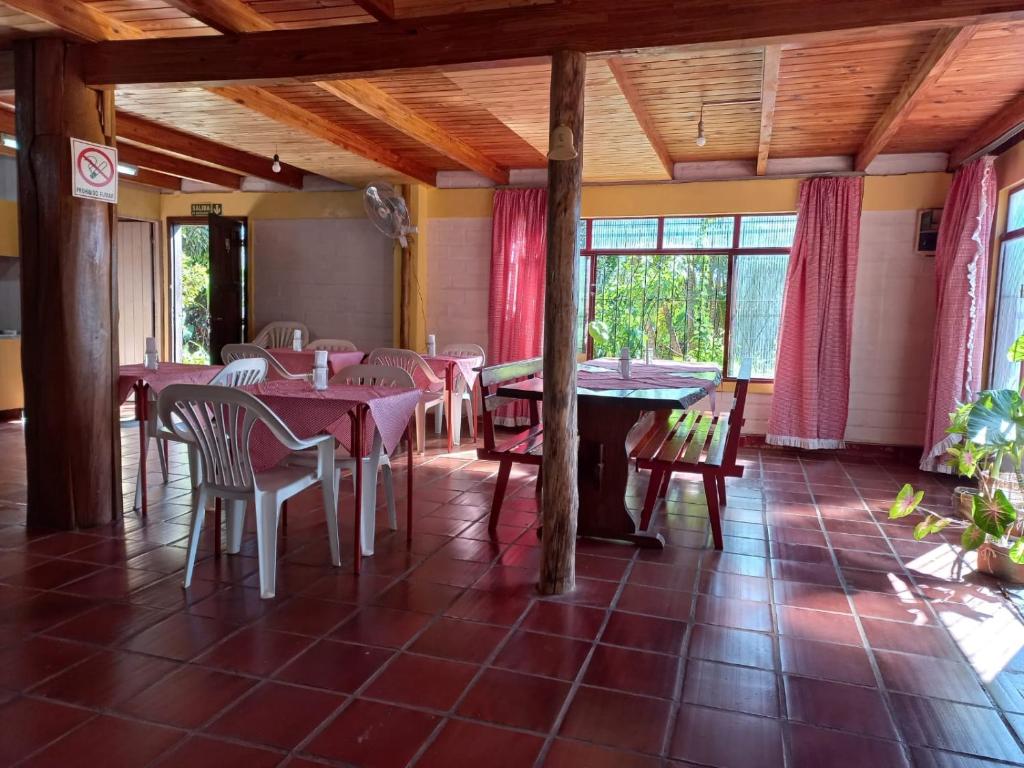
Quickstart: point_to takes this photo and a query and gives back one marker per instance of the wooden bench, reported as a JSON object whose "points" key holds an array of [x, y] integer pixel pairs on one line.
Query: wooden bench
{"points": [[698, 443], [524, 447]]}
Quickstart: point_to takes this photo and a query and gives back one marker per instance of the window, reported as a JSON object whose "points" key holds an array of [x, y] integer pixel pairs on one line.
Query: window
{"points": [[699, 288], [1009, 306]]}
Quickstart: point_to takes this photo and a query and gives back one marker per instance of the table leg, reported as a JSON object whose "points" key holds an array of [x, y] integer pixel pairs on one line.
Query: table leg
{"points": [[408, 488], [218, 506], [449, 386], [357, 453], [141, 390]]}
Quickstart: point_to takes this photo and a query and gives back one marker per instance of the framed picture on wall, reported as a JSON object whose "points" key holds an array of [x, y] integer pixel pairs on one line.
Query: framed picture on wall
{"points": [[928, 230]]}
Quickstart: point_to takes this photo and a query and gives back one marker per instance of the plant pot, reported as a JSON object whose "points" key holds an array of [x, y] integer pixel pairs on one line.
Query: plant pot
{"points": [[963, 501], [994, 560]]}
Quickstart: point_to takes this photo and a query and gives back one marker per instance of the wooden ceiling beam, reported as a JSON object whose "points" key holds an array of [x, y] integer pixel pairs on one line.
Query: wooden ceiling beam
{"points": [[153, 179], [597, 26], [769, 92], [227, 16], [372, 100], [643, 117], [143, 131], [381, 10], [1001, 127], [940, 55], [284, 111], [79, 19], [177, 166]]}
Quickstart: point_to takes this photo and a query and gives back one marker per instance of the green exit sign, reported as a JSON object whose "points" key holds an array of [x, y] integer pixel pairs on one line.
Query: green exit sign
{"points": [[205, 209]]}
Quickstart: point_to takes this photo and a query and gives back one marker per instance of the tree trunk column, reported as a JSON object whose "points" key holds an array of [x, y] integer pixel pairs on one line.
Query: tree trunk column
{"points": [[67, 302], [560, 495]]}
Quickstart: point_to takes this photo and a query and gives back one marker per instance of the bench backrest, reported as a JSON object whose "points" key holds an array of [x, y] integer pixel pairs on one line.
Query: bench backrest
{"points": [[493, 376], [732, 442]]}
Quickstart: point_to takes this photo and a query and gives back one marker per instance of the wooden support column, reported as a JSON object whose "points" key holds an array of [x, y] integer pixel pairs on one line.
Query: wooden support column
{"points": [[69, 337], [560, 495]]}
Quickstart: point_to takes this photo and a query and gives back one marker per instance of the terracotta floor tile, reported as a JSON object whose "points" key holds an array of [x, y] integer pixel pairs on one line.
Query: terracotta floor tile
{"points": [[726, 739], [837, 705], [26, 663], [617, 719], [955, 727], [818, 625], [724, 686], [422, 681], [465, 743], [422, 596], [187, 698], [476, 605], [381, 626], [562, 619], [732, 646], [106, 679], [738, 614], [843, 663], [372, 735], [181, 636], [928, 676], [335, 666], [623, 669], [646, 633], [276, 715], [576, 754], [308, 616], [653, 601], [540, 654], [896, 636], [110, 742], [459, 640], [204, 752], [30, 724], [516, 700], [255, 651]]}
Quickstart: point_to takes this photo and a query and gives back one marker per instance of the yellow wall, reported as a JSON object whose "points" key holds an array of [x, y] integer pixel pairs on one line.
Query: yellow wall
{"points": [[270, 205], [881, 193], [8, 228]]}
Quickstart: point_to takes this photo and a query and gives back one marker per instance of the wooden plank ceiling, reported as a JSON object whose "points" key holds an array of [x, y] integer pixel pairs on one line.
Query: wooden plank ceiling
{"points": [[923, 90]]}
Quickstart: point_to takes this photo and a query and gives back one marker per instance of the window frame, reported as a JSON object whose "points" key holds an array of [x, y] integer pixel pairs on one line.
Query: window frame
{"points": [[1008, 236], [731, 252]]}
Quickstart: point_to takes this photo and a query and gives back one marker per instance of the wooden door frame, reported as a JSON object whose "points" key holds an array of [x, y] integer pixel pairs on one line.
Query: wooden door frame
{"points": [[161, 274], [173, 221]]}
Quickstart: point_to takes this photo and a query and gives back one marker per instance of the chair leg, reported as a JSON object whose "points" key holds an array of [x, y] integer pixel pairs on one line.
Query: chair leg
{"points": [[236, 525], [440, 413], [216, 527], [651, 499], [389, 496], [266, 543], [327, 485], [195, 533], [711, 494], [504, 470], [421, 428], [721, 490], [470, 405], [163, 454]]}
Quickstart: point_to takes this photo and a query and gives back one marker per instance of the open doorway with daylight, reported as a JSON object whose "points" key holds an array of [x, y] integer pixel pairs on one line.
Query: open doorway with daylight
{"points": [[209, 269]]}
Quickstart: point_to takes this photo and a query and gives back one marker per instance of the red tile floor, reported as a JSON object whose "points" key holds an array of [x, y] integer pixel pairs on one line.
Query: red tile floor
{"points": [[823, 636]]}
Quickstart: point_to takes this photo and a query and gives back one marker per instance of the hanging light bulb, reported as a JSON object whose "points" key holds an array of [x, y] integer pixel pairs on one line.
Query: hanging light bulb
{"points": [[701, 138], [276, 165], [561, 145]]}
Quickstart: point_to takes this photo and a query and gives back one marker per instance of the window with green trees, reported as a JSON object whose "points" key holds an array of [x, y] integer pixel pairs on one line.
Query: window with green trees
{"points": [[698, 288], [191, 243]]}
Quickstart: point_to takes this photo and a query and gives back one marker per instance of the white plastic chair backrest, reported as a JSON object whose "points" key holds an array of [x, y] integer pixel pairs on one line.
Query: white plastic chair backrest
{"points": [[219, 421], [465, 350], [280, 334], [405, 359], [333, 345], [374, 376], [242, 372], [231, 352]]}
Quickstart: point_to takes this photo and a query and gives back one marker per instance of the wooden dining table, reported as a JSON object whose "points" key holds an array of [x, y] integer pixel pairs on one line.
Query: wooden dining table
{"points": [[611, 414]]}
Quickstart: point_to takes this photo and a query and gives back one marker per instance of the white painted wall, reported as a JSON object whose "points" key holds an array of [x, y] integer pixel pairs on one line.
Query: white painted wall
{"points": [[334, 275], [892, 334]]}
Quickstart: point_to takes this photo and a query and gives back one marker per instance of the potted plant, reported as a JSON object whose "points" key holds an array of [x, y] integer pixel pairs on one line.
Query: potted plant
{"points": [[990, 450]]}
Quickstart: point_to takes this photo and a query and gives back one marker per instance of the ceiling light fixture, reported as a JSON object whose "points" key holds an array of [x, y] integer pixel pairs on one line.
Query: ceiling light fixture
{"points": [[276, 165], [8, 141], [127, 170]]}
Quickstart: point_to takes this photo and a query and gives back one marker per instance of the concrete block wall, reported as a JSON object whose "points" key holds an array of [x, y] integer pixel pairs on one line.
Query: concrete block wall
{"points": [[458, 280]]}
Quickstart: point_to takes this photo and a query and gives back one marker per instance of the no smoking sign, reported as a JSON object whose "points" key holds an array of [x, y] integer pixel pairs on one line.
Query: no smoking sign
{"points": [[93, 171]]}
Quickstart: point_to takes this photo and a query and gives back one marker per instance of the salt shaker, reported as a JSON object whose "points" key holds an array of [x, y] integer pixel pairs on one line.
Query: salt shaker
{"points": [[297, 340], [624, 363], [431, 345], [320, 369], [152, 357]]}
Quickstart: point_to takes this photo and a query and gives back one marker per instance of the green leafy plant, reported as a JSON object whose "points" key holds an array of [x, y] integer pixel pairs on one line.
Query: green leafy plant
{"points": [[991, 444]]}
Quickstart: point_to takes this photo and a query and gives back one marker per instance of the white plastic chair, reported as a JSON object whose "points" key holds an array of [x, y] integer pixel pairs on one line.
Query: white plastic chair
{"points": [[433, 396], [280, 334], [333, 345], [238, 373], [231, 352], [467, 350], [376, 460], [218, 422]]}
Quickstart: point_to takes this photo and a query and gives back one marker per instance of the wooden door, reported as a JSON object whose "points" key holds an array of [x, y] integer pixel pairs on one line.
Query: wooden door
{"points": [[139, 290], [227, 292]]}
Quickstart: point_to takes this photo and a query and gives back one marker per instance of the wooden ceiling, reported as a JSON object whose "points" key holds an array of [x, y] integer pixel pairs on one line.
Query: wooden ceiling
{"points": [[921, 88]]}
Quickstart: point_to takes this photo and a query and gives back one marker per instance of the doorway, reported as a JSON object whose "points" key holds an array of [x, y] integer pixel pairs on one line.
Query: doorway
{"points": [[205, 279], [138, 288]]}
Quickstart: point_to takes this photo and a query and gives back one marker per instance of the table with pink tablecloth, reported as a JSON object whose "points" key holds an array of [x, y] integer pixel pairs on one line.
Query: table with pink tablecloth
{"points": [[302, 361], [164, 375], [450, 368], [308, 412]]}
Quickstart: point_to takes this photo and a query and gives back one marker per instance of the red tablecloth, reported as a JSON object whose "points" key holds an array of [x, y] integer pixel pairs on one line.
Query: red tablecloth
{"points": [[165, 375], [309, 412], [302, 362], [464, 365], [663, 374]]}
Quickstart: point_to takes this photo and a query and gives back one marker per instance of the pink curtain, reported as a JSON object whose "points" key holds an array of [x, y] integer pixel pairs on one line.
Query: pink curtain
{"points": [[518, 253], [812, 374], [961, 288]]}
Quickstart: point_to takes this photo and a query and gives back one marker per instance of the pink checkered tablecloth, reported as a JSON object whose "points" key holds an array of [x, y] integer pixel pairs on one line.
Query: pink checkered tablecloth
{"points": [[302, 362], [309, 412], [165, 375], [464, 365], [603, 373]]}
